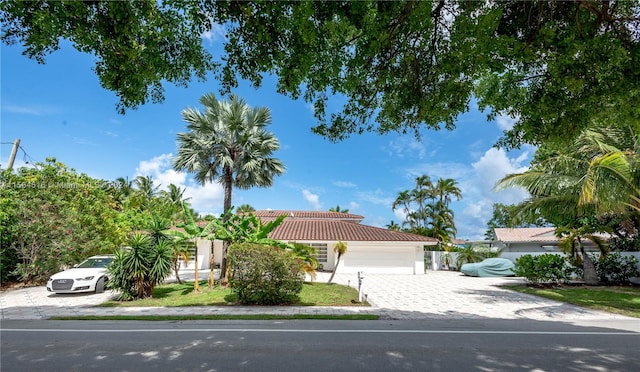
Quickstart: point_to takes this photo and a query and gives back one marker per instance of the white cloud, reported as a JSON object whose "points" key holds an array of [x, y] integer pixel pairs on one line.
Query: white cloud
{"points": [[310, 107], [312, 199], [476, 182], [160, 169], [400, 215], [345, 184], [453, 170], [495, 164], [407, 147], [505, 122], [377, 197], [478, 193], [35, 110], [83, 141], [207, 199], [217, 32]]}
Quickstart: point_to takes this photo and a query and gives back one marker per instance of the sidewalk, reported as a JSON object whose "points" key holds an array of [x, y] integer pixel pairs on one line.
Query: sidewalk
{"points": [[435, 295]]}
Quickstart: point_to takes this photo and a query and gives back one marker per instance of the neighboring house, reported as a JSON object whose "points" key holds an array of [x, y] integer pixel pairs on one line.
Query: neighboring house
{"points": [[369, 249], [516, 242], [534, 239], [537, 240]]}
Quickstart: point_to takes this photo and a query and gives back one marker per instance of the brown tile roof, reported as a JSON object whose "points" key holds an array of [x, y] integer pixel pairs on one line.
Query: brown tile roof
{"points": [[294, 229], [267, 215], [532, 234]]}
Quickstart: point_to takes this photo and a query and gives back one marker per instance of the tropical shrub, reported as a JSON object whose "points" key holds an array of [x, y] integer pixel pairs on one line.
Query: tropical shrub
{"points": [[264, 275], [8, 255], [547, 268], [487, 252], [308, 256], [468, 254], [625, 244], [53, 217], [616, 268], [138, 268]]}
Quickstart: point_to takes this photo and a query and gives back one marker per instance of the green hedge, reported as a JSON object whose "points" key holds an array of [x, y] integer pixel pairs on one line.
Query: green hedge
{"points": [[547, 268]]}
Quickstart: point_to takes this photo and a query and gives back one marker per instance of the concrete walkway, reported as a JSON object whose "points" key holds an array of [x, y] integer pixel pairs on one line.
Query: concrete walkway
{"points": [[435, 295]]}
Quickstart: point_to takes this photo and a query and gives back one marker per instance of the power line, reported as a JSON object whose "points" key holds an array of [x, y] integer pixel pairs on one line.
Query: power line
{"points": [[26, 158]]}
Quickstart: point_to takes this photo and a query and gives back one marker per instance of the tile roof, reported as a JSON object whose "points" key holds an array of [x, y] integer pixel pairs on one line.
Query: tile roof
{"points": [[270, 214], [330, 226], [334, 230], [532, 234]]}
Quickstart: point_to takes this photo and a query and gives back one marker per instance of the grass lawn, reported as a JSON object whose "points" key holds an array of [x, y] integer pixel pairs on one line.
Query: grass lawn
{"points": [[619, 300], [174, 295]]}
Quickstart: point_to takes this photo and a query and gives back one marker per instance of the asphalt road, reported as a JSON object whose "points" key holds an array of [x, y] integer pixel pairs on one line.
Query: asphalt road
{"points": [[417, 345]]}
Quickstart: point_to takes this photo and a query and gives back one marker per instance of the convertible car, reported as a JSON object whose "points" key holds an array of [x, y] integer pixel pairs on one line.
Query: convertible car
{"points": [[491, 267], [88, 276]]}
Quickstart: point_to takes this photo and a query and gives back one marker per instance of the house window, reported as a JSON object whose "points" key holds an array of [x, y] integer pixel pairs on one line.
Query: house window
{"points": [[321, 251]]}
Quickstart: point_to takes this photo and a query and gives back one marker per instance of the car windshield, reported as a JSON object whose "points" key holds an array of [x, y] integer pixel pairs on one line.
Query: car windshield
{"points": [[95, 262]]}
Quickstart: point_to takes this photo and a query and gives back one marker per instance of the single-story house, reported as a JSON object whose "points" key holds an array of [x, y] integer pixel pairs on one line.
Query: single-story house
{"points": [[520, 240], [517, 242], [369, 249]]}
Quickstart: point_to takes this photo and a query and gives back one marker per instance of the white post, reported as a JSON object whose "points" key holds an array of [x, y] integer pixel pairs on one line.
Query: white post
{"points": [[360, 278]]}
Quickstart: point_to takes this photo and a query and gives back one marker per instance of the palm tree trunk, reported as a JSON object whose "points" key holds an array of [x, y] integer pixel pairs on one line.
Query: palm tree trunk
{"points": [[176, 269], [588, 268], [334, 270], [228, 185], [211, 267], [196, 287]]}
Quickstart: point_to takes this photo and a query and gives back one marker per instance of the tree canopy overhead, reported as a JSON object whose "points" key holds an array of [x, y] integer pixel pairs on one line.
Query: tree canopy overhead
{"points": [[402, 65]]}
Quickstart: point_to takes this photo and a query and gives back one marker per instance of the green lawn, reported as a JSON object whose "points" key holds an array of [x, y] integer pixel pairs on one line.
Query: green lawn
{"points": [[619, 300], [174, 295]]}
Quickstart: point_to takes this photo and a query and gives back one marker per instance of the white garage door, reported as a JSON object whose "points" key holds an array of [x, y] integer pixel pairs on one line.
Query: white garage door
{"points": [[399, 261]]}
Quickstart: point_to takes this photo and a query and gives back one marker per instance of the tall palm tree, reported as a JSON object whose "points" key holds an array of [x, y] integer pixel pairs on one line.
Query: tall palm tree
{"points": [[427, 207], [146, 186], [393, 226], [595, 176], [174, 194], [404, 200], [122, 190], [441, 224], [228, 144], [245, 208], [445, 189], [338, 209]]}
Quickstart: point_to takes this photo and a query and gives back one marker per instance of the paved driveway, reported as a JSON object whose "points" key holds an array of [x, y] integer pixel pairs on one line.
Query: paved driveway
{"points": [[435, 295]]}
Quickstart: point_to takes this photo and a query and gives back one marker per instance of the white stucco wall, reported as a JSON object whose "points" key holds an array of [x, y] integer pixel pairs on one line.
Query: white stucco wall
{"points": [[370, 257], [204, 252]]}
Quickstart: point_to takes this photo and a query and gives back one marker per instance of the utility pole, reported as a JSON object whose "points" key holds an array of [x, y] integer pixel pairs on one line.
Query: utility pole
{"points": [[14, 151]]}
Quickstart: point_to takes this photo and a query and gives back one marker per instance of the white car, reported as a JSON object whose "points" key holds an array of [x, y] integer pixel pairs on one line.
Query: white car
{"points": [[88, 276]]}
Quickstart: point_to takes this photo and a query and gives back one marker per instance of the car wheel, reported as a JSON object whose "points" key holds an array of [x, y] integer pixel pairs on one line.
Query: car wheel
{"points": [[100, 285]]}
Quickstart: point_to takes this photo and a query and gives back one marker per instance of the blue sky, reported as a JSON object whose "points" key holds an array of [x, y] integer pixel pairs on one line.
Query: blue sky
{"points": [[60, 110]]}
